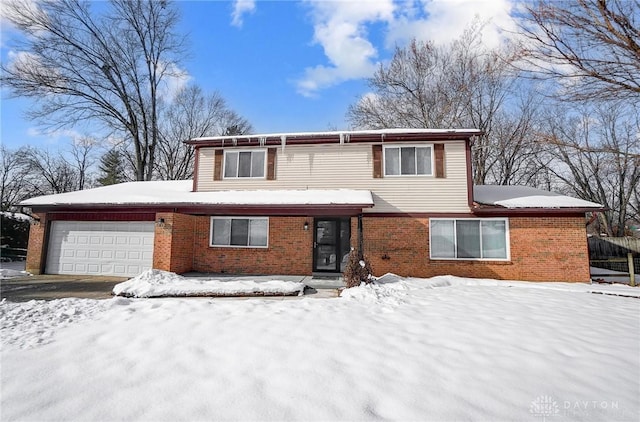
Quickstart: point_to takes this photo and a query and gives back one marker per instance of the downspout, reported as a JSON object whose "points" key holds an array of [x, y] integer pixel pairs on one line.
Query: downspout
{"points": [[360, 238]]}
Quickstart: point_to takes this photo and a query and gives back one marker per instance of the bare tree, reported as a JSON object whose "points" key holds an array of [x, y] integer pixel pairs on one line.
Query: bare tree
{"points": [[192, 114], [411, 91], [12, 173], [107, 68], [515, 157], [47, 173], [82, 154], [598, 158], [463, 84], [591, 46]]}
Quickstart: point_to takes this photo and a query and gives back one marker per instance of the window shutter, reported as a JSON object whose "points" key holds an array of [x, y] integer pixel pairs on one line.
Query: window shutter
{"points": [[377, 161], [439, 153], [271, 164], [217, 165]]}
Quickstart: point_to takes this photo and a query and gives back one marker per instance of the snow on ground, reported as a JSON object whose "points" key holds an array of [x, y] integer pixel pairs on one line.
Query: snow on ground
{"points": [[606, 276], [12, 269], [437, 349], [157, 283], [32, 323]]}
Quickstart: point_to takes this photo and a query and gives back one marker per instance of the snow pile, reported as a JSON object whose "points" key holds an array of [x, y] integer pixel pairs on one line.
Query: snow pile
{"points": [[389, 289], [157, 283], [27, 324], [10, 273], [442, 349]]}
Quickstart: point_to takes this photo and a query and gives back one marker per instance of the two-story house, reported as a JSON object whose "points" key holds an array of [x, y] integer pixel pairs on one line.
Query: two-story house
{"points": [[296, 203]]}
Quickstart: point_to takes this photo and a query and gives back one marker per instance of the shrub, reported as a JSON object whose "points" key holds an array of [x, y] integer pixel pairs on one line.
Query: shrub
{"points": [[357, 270]]}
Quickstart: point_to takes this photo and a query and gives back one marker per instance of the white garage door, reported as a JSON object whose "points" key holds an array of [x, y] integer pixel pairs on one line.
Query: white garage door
{"points": [[122, 248]]}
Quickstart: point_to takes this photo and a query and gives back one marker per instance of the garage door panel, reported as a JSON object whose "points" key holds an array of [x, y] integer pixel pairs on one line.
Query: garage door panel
{"points": [[101, 248]]}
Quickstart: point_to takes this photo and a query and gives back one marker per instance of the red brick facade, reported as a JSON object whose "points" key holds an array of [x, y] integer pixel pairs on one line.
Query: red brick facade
{"points": [[289, 250], [174, 242], [542, 248], [35, 249]]}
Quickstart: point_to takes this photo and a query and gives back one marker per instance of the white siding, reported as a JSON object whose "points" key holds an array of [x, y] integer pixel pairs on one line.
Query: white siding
{"points": [[350, 166]]}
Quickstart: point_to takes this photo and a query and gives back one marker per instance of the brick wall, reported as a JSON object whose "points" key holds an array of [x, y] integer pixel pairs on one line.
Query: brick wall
{"points": [[542, 249], [174, 242], [35, 248], [289, 250]]}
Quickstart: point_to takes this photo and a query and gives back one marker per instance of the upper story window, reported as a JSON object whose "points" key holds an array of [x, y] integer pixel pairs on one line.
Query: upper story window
{"points": [[408, 160], [244, 164]]}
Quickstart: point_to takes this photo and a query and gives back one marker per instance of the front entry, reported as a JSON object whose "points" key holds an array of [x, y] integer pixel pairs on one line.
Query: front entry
{"points": [[331, 244]]}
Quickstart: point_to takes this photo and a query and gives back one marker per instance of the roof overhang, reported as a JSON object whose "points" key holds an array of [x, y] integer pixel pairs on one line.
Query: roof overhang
{"points": [[497, 211], [176, 196], [337, 210], [336, 137]]}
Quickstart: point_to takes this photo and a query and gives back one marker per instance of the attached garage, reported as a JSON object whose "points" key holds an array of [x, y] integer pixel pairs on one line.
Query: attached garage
{"points": [[118, 248]]}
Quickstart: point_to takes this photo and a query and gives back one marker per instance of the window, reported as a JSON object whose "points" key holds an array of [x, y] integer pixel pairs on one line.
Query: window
{"points": [[248, 232], [469, 238], [244, 164], [402, 161]]}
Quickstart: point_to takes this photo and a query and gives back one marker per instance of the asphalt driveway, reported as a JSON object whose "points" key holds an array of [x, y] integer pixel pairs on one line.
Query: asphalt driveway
{"points": [[50, 287]]}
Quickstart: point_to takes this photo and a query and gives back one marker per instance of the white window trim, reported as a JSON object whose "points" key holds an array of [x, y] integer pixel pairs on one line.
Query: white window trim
{"points": [[236, 217], [384, 160], [224, 164], [455, 237]]}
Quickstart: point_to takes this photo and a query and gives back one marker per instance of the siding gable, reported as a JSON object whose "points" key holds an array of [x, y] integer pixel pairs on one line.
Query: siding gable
{"points": [[352, 166]]}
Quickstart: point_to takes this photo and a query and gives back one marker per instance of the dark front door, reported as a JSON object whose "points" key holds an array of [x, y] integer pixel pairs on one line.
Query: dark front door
{"points": [[331, 244]]}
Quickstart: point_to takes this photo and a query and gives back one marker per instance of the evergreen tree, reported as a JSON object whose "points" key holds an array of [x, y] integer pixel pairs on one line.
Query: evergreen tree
{"points": [[112, 168]]}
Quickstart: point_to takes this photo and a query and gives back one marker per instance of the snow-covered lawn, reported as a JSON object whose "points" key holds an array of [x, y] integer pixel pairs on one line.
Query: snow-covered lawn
{"points": [[403, 349]]}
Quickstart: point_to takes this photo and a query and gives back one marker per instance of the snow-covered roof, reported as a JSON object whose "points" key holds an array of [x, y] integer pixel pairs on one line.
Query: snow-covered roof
{"points": [[179, 193], [346, 133], [526, 197]]}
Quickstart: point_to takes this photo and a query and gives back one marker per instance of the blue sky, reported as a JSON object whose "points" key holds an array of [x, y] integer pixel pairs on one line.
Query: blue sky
{"points": [[287, 66]]}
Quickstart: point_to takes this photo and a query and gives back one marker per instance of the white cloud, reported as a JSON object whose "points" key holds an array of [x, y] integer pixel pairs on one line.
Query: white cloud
{"points": [[444, 20], [174, 80], [240, 8], [56, 135], [340, 27]]}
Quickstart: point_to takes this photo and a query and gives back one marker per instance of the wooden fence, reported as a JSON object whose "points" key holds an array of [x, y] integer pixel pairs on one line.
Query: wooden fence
{"points": [[615, 253]]}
